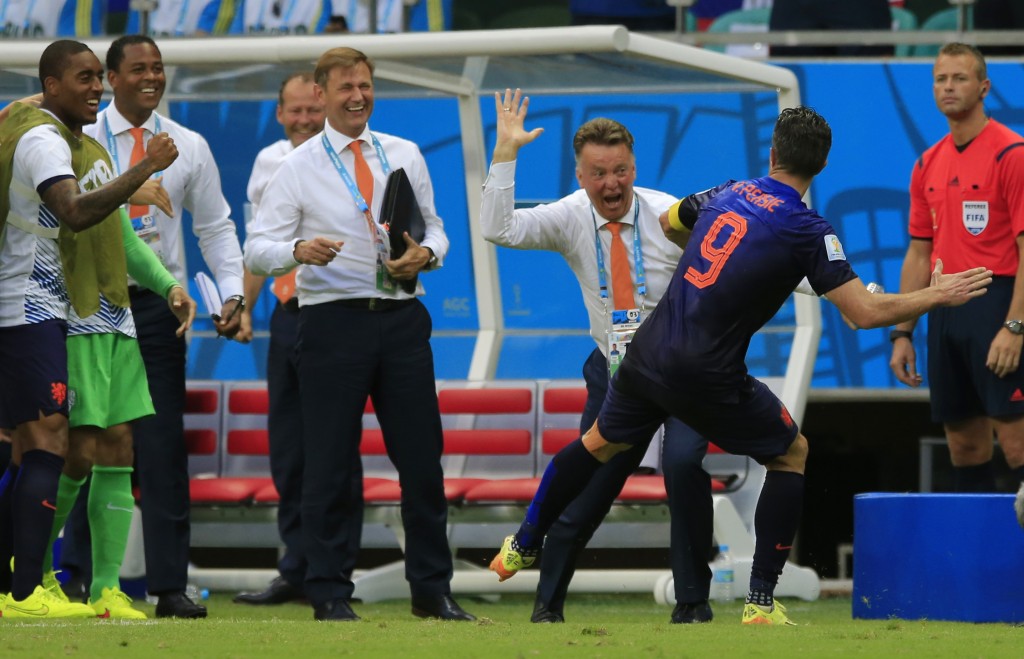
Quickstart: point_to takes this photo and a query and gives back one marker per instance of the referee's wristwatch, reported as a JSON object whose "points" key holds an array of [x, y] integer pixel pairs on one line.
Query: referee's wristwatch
{"points": [[1015, 326]]}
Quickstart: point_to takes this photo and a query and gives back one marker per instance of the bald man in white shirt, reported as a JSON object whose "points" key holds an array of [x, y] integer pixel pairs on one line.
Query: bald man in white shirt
{"points": [[321, 210]]}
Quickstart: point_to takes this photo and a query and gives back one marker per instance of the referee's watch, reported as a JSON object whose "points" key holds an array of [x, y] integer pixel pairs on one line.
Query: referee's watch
{"points": [[1015, 327]]}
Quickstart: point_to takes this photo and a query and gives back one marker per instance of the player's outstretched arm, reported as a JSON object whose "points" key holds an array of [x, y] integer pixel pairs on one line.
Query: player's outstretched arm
{"points": [[869, 310]]}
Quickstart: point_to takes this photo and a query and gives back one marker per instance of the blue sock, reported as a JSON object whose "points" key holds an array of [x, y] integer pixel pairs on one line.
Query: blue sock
{"points": [[975, 478], [565, 477], [34, 502], [6, 528], [775, 522]]}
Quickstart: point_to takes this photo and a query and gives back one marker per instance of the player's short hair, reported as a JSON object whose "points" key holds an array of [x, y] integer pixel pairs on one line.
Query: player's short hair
{"points": [[603, 132], [304, 76], [339, 58], [115, 54], [56, 56], [957, 49], [802, 139]]}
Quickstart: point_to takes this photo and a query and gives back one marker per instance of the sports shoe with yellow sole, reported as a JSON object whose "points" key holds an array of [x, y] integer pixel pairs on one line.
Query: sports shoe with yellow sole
{"points": [[114, 604], [758, 615], [41, 605], [51, 584], [509, 561]]}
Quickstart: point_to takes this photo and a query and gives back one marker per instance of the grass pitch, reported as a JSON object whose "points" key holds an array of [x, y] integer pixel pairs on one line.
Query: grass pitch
{"points": [[597, 626]]}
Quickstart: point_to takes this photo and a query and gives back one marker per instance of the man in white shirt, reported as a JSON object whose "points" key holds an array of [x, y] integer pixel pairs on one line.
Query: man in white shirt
{"points": [[320, 210], [135, 72], [48, 190], [575, 227], [301, 114]]}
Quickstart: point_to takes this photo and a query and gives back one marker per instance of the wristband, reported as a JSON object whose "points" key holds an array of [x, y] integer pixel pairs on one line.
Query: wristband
{"points": [[900, 334], [673, 217]]}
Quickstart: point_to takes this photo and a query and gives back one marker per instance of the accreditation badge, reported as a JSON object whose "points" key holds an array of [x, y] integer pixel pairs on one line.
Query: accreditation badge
{"points": [[975, 216], [623, 325], [384, 282], [145, 227]]}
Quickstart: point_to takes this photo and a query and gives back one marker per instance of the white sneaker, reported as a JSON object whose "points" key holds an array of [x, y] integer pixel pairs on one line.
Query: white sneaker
{"points": [[1018, 505]]}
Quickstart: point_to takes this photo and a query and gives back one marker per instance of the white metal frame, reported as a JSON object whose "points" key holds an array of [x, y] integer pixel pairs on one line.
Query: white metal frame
{"points": [[478, 47]]}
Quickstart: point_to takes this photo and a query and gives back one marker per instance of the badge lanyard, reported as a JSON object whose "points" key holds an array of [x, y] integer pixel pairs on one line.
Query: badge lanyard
{"points": [[112, 143], [638, 259], [377, 232], [145, 227], [623, 323]]}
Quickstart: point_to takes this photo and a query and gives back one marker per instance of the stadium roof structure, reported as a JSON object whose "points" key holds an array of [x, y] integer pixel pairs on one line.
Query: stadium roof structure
{"points": [[466, 65]]}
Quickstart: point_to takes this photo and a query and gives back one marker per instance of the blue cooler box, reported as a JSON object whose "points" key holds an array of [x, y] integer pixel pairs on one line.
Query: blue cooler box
{"points": [[953, 557]]}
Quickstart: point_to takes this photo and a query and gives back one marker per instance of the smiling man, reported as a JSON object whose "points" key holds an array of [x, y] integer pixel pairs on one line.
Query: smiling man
{"points": [[301, 114], [320, 210], [56, 183], [135, 71]]}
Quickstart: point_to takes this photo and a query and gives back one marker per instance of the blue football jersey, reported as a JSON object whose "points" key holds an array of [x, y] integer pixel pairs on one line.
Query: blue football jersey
{"points": [[751, 245]]}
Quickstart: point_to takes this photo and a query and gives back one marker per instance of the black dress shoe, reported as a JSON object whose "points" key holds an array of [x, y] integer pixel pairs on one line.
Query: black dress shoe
{"points": [[541, 613], [278, 592], [695, 612], [334, 610], [439, 606], [177, 605]]}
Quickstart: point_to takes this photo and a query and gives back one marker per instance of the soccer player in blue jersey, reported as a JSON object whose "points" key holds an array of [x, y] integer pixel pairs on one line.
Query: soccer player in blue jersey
{"points": [[753, 241]]}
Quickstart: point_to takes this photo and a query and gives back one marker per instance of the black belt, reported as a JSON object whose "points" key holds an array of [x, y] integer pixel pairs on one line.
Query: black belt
{"points": [[374, 303], [292, 305]]}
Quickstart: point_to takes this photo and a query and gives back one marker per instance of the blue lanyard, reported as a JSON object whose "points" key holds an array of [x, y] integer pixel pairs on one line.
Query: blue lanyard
{"points": [[112, 143], [347, 178], [638, 259]]}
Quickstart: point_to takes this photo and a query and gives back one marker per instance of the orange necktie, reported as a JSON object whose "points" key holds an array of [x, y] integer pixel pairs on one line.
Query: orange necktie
{"points": [[622, 283], [138, 153], [364, 177], [283, 287]]}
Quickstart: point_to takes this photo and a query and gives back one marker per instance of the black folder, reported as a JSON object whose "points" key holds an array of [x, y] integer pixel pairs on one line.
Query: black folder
{"points": [[401, 213]]}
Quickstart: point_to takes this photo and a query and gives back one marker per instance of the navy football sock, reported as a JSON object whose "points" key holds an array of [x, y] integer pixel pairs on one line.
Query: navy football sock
{"points": [[565, 477], [34, 502], [975, 478], [6, 528], [775, 522]]}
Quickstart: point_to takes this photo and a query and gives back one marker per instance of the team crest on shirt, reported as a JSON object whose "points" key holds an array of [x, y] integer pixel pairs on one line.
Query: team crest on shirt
{"points": [[975, 215], [834, 248]]}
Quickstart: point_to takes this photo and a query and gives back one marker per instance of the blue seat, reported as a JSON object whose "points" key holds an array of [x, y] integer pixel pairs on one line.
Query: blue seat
{"points": [[903, 20], [740, 20], [942, 21]]}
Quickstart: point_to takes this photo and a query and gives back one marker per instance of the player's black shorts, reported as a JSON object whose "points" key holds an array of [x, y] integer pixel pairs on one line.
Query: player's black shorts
{"points": [[755, 424], [33, 372], [962, 387]]}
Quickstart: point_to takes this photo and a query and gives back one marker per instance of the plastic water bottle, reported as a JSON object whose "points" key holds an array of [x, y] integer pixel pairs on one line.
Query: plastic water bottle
{"points": [[195, 593], [723, 575]]}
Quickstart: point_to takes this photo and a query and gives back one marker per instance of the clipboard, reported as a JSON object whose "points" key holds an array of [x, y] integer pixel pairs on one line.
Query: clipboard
{"points": [[400, 213]]}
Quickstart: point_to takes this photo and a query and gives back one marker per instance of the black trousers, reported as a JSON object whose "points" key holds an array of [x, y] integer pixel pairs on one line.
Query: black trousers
{"points": [[287, 461], [161, 457], [689, 492], [345, 355]]}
